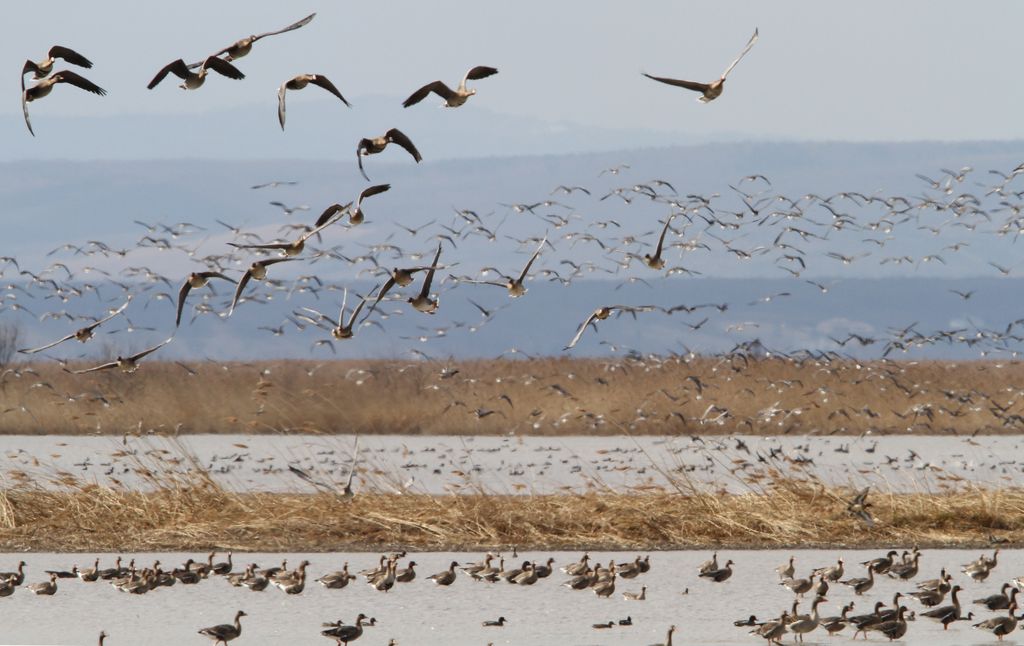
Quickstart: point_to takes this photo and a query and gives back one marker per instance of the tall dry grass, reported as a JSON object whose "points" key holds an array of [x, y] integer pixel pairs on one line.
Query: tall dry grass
{"points": [[544, 396]]}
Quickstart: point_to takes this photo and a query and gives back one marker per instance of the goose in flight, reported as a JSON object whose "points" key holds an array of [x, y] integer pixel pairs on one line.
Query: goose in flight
{"points": [[126, 364], [602, 313], [339, 329], [709, 91], [43, 68], [452, 98], [372, 146], [45, 86], [242, 47], [194, 80], [257, 270], [656, 261], [82, 334], [515, 286], [355, 216], [423, 302], [289, 249], [195, 280], [300, 82], [402, 277]]}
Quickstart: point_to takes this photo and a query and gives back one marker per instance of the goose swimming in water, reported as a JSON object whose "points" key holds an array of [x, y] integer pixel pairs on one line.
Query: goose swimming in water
{"points": [[452, 98], [709, 91]]}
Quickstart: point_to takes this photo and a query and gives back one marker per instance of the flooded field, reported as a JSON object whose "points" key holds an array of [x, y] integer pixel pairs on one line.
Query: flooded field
{"points": [[424, 614], [453, 464]]}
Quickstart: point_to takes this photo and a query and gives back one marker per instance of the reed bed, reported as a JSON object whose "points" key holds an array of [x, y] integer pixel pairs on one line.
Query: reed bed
{"points": [[790, 513], [550, 396]]}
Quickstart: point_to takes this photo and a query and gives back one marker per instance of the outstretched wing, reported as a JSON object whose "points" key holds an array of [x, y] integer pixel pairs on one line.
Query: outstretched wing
{"points": [[24, 107], [302, 23], [437, 87], [397, 136], [280, 103], [746, 49], [67, 76], [178, 68], [536, 253], [329, 213], [363, 145], [149, 351], [661, 240], [104, 366], [371, 191], [70, 56], [223, 68], [479, 72], [48, 345], [326, 84], [430, 272], [182, 295], [583, 328], [238, 291], [689, 85]]}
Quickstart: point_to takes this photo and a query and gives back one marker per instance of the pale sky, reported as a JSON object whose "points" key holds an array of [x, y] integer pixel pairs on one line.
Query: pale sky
{"points": [[854, 71]]}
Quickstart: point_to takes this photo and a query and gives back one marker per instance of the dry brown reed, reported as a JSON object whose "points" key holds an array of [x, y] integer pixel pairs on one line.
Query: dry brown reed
{"points": [[553, 396]]}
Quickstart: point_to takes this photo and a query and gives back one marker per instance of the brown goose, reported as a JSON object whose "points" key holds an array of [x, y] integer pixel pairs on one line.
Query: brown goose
{"points": [[892, 628], [356, 215], [1000, 601], [452, 98], [515, 286], [241, 47], [48, 588], [423, 302], [43, 88], [833, 625], [17, 577], [709, 91], [1001, 626], [195, 280], [719, 575], [43, 68], [343, 634], [223, 568], [194, 80], [300, 82], [544, 571], [445, 578], [127, 364], [257, 270], [946, 614], [406, 575], [339, 329], [90, 574], [103, 635], [656, 261], [831, 573], [882, 564], [601, 314], [82, 334], [861, 585], [337, 580], [7, 587], [708, 565], [223, 633], [374, 145]]}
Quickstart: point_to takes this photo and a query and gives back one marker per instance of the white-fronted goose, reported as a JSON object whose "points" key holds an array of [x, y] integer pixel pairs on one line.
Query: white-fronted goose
{"points": [[786, 570], [7, 587], [601, 314], [452, 98], [668, 637], [43, 88], [773, 630], [241, 47], [422, 302], [892, 628], [709, 565], [946, 614], [223, 633], [374, 145], [709, 91], [337, 580], [287, 249], [339, 329], [656, 261], [81, 334], [445, 578], [223, 568], [905, 570], [127, 364], [195, 280], [257, 270], [406, 575], [544, 570], [515, 286], [719, 575], [17, 577], [43, 68], [90, 574], [343, 634], [999, 601], [833, 625], [1001, 626], [861, 585], [832, 572], [48, 588], [194, 80], [802, 626], [300, 82], [799, 587]]}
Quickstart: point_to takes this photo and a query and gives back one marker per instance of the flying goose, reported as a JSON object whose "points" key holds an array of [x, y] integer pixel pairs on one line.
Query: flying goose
{"points": [[43, 88], [339, 329], [355, 216], [43, 68], [343, 634], [601, 314], [452, 98], [301, 81], [127, 364], [194, 80], [515, 286], [242, 47], [195, 280], [423, 302], [257, 270], [223, 633], [402, 277], [82, 334], [656, 261], [372, 146], [288, 249], [709, 91]]}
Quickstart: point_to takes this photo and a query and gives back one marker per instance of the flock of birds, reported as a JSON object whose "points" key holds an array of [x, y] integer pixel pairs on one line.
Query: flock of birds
{"points": [[936, 599]]}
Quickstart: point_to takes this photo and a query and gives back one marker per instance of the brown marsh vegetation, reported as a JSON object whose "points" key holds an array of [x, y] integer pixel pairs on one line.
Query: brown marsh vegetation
{"points": [[551, 396]]}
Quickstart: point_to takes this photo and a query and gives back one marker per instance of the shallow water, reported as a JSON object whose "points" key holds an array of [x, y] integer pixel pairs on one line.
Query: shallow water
{"points": [[423, 614], [507, 464]]}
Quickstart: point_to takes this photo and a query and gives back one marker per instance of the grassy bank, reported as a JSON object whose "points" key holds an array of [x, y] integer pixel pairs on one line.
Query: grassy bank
{"points": [[540, 396], [788, 513]]}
